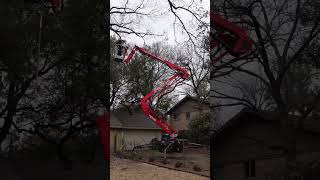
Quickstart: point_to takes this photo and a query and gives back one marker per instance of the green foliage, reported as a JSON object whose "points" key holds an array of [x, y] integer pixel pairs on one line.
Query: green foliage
{"points": [[183, 134], [199, 130], [129, 82]]}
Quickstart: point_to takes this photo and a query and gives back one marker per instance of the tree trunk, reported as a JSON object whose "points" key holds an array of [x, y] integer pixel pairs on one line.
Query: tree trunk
{"points": [[289, 135], [67, 163], [93, 149], [12, 107]]}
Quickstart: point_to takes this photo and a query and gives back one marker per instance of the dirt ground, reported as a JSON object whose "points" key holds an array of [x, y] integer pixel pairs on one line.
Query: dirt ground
{"points": [[193, 161], [125, 169]]}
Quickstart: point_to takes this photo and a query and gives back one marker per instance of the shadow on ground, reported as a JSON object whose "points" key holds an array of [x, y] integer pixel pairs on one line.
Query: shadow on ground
{"points": [[34, 168]]}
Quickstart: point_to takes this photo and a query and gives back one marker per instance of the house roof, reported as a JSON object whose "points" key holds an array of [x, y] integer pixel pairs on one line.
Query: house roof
{"points": [[186, 98], [248, 116], [135, 120]]}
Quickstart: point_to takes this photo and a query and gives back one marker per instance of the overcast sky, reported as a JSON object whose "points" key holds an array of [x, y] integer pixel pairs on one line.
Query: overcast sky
{"points": [[162, 22]]}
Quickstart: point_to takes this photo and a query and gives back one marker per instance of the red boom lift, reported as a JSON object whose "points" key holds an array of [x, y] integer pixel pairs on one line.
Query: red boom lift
{"points": [[233, 38], [146, 101]]}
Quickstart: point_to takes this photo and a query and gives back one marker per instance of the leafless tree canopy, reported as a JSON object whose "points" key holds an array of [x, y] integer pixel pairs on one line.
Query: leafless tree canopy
{"points": [[282, 72], [191, 54], [283, 32]]}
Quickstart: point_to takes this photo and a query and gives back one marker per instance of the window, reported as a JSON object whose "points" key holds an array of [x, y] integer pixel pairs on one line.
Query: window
{"points": [[250, 168], [188, 115]]}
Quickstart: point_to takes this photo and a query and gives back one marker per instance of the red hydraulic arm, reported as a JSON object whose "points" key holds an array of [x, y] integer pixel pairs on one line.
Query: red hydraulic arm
{"points": [[181, 75], [102, 123], [232, 37], [56, 3]]}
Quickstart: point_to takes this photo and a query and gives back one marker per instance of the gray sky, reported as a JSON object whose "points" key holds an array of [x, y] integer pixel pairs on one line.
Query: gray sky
{"points": [[162, 22]]}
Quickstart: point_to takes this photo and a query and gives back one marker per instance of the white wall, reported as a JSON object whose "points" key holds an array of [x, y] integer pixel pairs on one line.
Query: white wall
{"points": [[131, 137]]}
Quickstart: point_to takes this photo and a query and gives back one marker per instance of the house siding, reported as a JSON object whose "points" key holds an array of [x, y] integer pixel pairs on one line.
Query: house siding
{"points": [[269, 168], [247, 142], [194, 108], [266, 169], [126, 139], [236, 170], [251, 141]]}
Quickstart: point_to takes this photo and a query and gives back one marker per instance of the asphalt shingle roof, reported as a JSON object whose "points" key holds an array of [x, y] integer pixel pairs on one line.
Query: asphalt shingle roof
{"points": [[136, 120], [310, 124], [186, 98]]}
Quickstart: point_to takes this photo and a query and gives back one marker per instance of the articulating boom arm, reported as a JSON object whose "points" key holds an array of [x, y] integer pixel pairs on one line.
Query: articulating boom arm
{"points": [[181, 75], [232, 37]]}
